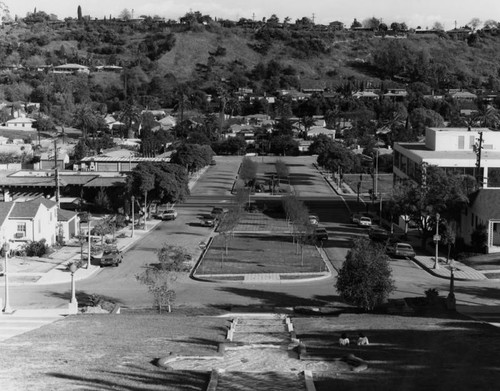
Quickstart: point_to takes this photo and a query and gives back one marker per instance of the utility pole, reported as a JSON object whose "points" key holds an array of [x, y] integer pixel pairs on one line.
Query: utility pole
{"points": [[56, 173], [477, 149]]}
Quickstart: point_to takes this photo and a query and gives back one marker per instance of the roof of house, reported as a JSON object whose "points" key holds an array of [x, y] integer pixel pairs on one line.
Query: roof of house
{"points": [[106, 182], [66, 215], [28, 209], [5, 208], [486, 202]]}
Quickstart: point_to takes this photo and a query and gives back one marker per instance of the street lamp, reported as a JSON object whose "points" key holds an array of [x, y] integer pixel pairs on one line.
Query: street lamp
{"points": [[133, 219], [6, 309], [73, 304], [436, 240]]}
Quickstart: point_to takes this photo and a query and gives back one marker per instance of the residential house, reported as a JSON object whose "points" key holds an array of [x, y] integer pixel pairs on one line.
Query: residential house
{"points": [[68, 224], [49, 161], [71, 69], [21, 123], [33, 220], [462, 96]]}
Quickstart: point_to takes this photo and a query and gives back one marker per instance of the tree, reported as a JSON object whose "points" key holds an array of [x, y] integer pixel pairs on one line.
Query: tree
{"points": [[431, 191], [163, 183], [282, 169], [474, 23], [192, 156], [160, 278], [85, 119], [365, 279], [248, 170], [356, 24], [79, 13], [321, 143]]}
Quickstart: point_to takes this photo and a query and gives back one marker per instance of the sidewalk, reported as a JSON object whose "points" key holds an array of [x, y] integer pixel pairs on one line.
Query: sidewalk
{"points": [[461, 271], [53, 270]]}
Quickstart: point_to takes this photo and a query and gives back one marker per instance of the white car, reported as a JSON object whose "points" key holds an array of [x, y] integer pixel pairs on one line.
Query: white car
{"points": [[365, 222], [169, 214], [313, 220]]}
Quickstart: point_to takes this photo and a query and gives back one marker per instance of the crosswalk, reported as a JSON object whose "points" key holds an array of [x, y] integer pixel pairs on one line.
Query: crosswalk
{"points": [[22, 321]]}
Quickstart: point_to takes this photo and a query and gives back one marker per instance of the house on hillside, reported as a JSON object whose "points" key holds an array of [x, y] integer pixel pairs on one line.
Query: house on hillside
{"points": [[21, 123], [70, 69]]}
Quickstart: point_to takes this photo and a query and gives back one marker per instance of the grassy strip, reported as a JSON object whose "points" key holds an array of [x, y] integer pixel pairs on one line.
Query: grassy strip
{"points": [[259, 254]]}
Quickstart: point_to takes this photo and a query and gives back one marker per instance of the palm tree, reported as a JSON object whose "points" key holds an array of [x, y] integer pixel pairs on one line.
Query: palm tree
{"points": [[129, 116], [84, 118], [487, 117]]}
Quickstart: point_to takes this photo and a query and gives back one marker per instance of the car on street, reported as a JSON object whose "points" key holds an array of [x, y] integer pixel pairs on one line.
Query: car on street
{"points": [[314, 220], [251, 207], [111, 258], [378, 234], [400, 249], [355, 218], [169, 214], [365, 221], [218, 212], [208, 222], [320, 234]]}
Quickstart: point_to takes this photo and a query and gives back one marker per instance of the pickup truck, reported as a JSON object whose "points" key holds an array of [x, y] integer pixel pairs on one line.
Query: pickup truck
{"points": [[400, 250]]}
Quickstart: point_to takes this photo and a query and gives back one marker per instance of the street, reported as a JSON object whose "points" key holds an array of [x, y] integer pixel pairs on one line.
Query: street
{"points": [[213, 188]]}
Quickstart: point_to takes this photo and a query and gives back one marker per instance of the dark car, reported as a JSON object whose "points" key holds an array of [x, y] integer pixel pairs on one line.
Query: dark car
{"points": [[208, 222], [378, 234], [399, 249], [320, 234], [111, 258], [251, 207], [218, 212]]}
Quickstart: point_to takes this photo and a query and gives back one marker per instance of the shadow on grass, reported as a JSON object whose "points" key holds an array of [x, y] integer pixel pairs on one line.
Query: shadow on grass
{"points": [[136, 378], [279, 299], [83, 298], [412, 354]]}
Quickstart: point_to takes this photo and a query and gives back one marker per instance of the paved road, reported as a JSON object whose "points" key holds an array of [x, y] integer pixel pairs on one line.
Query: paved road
{"points": [[120, 285]]}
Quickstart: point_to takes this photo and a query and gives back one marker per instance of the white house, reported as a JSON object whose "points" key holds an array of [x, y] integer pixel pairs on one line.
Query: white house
{"points": [[21, 123], [33, 220]]}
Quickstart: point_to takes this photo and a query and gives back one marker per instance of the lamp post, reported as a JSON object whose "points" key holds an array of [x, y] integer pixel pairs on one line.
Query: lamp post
{"points": [[436, 240], [133, 219], [73, 304], [6, 309], [89, 243]]}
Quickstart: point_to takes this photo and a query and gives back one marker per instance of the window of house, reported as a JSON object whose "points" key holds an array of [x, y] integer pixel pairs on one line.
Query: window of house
{"points": [[39, 226], [21, 229], [472, 141], [472, 219], [461, 142]]}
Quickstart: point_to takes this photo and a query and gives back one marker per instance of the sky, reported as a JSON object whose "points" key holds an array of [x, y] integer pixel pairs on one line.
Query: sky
{"points": [[414, 13]]}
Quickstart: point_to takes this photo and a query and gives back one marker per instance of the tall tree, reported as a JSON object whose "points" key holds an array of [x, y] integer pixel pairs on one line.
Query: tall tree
{"points": [[365, 279], [79, 13]]}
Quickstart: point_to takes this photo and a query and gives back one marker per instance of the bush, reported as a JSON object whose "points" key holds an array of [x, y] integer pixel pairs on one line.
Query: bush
{"points": [[36, 249]]}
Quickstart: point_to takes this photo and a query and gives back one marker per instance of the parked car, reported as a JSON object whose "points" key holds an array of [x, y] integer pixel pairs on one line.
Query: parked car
{"points": [[399, 249], [217, 211], [213, 162], [320, 234], [251, 207], [111, 258], [313, 220], [355, 218], [365, 221], [208, 222], [378, 234], [169, 214]]}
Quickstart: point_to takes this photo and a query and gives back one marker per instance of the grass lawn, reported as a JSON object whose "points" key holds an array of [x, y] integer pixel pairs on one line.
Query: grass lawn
{"points": [[103, 352], [259, 254], [407, 353]]}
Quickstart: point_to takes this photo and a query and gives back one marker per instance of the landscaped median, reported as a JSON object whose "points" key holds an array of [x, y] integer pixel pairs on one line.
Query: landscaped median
{"points": [[259, 258]]}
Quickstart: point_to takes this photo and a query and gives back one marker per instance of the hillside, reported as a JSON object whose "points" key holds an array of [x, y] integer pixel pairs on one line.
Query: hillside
{"points": [[209, 53]]}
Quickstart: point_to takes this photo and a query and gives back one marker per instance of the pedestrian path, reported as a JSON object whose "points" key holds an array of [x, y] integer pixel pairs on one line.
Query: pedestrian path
{"points": [[23, 321]]}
